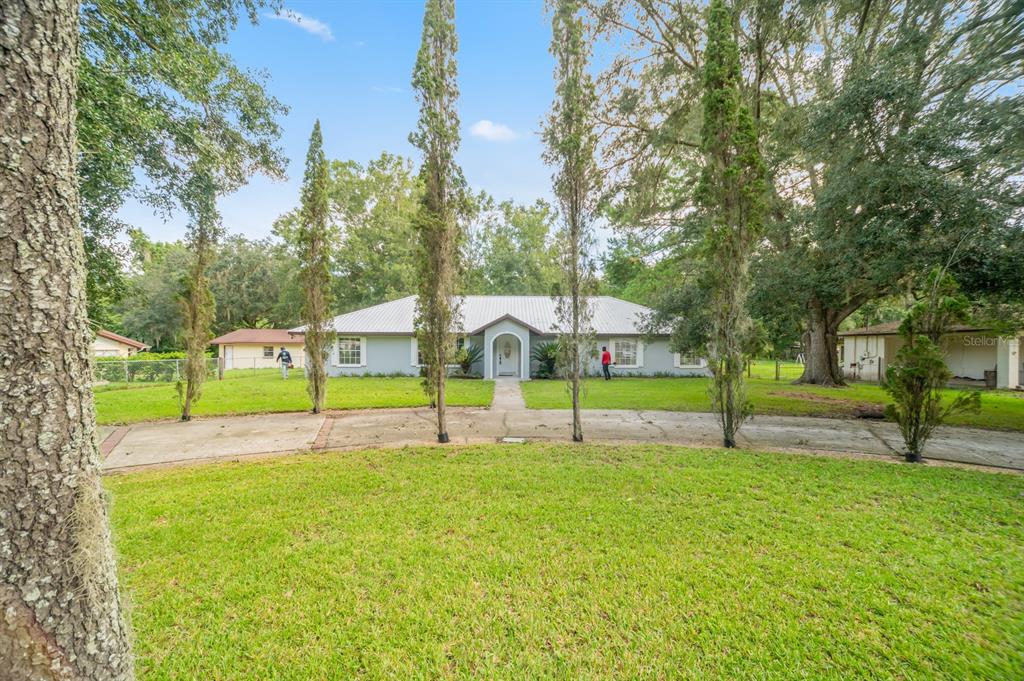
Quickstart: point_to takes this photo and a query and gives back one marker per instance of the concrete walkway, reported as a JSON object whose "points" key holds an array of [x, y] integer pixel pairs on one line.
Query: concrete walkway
{"points": [[508, 396], [210, 439]]}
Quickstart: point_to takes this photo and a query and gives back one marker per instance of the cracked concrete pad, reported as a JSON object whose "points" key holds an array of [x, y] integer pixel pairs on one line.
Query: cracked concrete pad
{"points": [[213, 438], [970, 445], [230, 437], [412, 426]]}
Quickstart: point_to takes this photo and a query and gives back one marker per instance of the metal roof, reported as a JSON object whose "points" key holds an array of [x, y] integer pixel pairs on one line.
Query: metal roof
{"points": [[609, 316]]}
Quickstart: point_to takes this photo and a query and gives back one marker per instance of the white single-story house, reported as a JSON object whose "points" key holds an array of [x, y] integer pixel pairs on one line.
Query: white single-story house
{"points": [[110, 344], [970, 351], [381, 339], [258, 348]]}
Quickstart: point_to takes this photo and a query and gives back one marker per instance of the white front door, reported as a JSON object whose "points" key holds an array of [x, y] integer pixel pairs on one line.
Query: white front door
{"points": [[508, 356], [229, 357]]}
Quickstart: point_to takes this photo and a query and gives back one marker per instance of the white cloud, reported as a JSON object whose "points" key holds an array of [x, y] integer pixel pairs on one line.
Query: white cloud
{"points": [[493, 132], [307, 24]]}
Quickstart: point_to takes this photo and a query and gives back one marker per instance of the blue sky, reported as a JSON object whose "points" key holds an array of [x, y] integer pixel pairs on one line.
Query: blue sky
{"points": [[350, 64]]}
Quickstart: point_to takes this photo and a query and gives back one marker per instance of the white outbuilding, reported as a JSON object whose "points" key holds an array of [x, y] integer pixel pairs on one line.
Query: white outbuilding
{"points": [[970, 352]]}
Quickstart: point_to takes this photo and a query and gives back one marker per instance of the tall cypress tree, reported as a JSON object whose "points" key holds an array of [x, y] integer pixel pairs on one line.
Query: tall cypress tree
{"points": [[570, 143], [438, 219], [197, 303], [731, 196], [313, 245]]}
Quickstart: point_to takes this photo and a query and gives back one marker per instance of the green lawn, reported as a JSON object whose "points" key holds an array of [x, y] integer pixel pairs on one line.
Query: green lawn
{"points": [[267, 392], [526, 562], [999, 409], [765, 368]]}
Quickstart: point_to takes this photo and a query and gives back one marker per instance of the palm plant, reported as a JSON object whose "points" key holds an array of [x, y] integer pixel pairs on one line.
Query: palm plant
{"points": [[546, 356], [468, 356]]}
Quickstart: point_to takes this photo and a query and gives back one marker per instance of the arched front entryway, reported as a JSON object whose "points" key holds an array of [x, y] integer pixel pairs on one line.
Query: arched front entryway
{"points": [[507, 356]]}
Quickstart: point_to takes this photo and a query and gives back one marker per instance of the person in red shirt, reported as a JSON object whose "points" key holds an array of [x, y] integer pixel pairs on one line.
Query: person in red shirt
{"points": [[606, 362]]}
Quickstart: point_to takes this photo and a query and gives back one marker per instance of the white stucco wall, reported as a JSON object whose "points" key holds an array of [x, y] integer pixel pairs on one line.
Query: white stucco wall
{"points": [[968, 355], [865, 357], [1010, 363], [105, 347], [250, 355], [520, 333]]}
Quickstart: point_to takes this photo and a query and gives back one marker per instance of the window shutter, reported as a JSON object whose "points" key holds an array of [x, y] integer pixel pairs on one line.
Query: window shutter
{"points": [[639, 353], [414, 354], [362, 351]]}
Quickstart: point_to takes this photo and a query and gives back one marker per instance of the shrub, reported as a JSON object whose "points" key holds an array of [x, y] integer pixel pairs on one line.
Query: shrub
{"points": [[467, 357], [914, 381], [546, 356]]}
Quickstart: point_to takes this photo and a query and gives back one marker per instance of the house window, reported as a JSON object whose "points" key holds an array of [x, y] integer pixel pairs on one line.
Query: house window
{"points": [[624, 352], [417, 355], [268, 352], [350, 352], [688, 361]]}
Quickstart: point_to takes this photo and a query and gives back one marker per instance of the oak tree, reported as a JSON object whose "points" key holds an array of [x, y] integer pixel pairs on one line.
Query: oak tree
{"points": [[62, 614]]}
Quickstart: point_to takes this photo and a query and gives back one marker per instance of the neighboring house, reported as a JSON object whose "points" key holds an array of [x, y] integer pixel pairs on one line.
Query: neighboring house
{"points": [[258, 348], [381, 340], [970, 351], [110, 344]]}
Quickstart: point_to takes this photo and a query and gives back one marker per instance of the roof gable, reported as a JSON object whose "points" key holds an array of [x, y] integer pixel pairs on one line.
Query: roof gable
{"points": [[118, 338], [509, 317]]}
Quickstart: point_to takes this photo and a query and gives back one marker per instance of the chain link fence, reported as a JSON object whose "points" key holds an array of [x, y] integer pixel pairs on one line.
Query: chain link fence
{"points": [[112, 372], [145, 370]]}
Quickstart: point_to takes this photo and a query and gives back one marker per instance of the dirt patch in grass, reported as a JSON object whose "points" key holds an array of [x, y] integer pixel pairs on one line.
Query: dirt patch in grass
{"points": [[868, 410], [813, 397]]}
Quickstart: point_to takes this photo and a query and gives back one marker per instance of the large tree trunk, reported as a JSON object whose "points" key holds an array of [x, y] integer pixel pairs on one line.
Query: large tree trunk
{"points": [[821, 359], [58, 586]]}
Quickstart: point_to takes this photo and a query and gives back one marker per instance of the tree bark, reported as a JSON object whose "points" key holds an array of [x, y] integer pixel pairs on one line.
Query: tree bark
{"points": [[821, 359], [442, 404], [58, 585]]}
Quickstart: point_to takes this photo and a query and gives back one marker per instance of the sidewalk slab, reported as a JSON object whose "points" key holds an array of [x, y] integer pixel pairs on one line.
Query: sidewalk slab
{"points": [[508, 396], [213, 438], [398, 427]]}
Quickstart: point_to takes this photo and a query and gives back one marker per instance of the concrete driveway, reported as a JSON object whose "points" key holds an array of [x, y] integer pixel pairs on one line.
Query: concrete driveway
{"points": [[234, 437]]}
